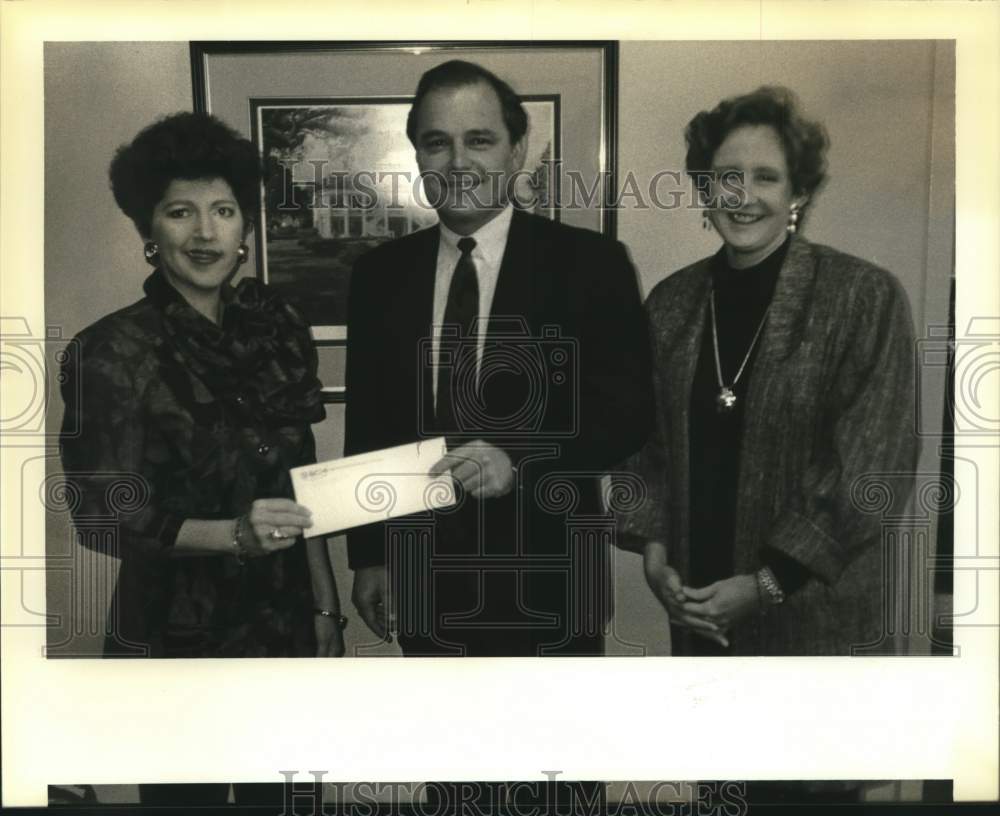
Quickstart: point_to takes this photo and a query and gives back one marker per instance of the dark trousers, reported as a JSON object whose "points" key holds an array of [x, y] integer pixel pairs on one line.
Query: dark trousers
{"points": [[466, 607]]}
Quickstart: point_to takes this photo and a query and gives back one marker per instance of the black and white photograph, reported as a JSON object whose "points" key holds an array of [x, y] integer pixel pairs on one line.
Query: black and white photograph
{"points": [[600, 437], [387, 361]]}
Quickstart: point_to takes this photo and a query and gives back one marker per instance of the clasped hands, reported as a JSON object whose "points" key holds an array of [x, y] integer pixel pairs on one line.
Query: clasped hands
{"points": [[709, 611]]}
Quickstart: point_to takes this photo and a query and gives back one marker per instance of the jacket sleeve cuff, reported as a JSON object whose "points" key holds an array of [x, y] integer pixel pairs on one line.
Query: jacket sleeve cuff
{"points": [[630, 541], [789, 573], [647, 519], [170, 526], [366, 546], [798, 538]]}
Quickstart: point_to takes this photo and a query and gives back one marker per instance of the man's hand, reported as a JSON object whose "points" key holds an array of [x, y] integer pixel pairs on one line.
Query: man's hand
{"points": [[665, 582], [329, 637], [724, 602], [369, 598], [483, 470]]}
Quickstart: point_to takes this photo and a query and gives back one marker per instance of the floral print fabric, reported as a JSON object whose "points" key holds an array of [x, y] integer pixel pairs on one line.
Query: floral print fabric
{"points": [[201, 420]]}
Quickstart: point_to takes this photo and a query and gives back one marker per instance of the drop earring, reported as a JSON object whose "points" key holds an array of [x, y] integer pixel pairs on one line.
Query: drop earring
{"points": [[706, 221], [242, 253], [793, 219], [151, 252]]}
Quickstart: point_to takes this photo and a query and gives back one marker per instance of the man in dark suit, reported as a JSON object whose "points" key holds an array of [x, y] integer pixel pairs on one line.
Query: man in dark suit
{"points": [[523, 342]]}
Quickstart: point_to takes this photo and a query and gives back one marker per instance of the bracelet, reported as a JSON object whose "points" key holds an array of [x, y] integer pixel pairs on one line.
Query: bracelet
{"points": [[327, 613], [769, 584], [239, 551]]}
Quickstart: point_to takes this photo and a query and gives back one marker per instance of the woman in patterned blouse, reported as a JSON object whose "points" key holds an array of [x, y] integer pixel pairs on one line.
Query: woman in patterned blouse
{"points": [[194, 403]]}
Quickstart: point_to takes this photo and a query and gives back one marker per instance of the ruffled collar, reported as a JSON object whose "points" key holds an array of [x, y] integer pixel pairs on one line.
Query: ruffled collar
{"points": [[261, 356]]}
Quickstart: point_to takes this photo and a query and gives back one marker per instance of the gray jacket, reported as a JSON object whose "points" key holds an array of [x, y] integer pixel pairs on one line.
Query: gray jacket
{"points": [[829, 419]]}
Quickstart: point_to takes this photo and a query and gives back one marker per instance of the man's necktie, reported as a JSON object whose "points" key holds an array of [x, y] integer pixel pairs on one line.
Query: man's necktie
{"points": [[457, 371]]}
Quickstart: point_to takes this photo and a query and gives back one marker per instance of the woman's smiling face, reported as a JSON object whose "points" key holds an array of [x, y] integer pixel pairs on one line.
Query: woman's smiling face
{"points": [[198, 227], [757, 226]]}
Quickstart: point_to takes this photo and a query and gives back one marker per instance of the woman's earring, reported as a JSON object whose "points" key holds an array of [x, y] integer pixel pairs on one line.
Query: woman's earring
{"points": [[151, 252], [706, 221], [242, 253], [793, 219]]}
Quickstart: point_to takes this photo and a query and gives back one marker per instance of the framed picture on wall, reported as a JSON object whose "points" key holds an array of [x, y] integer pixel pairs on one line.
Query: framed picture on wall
{"points": [[340, 174]]}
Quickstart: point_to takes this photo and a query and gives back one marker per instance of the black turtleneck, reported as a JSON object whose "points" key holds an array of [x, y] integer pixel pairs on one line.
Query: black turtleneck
{"points": [[742, 297]]}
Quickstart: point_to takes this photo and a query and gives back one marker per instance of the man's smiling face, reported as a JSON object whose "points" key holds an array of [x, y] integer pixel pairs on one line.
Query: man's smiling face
{"points": [[465, 154]]}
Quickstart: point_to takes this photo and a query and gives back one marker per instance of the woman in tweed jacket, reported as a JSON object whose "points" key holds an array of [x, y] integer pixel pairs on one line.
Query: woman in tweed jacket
{"points": [[785, 385]]}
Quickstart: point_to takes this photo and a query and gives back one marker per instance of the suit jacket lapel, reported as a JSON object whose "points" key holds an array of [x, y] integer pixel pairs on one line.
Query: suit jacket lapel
{"points": [[418, 303], [514, 293]]}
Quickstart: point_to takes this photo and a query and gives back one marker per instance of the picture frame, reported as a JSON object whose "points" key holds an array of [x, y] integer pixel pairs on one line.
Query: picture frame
{"points": [[328, 110]]}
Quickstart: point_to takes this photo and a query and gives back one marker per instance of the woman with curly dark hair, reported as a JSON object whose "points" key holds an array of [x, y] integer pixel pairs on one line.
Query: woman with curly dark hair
{"points": [[199, 398], [784, 372]]}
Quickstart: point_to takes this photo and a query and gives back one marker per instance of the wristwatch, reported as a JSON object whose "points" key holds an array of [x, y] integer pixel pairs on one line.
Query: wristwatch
{"points": [[341, 620]]}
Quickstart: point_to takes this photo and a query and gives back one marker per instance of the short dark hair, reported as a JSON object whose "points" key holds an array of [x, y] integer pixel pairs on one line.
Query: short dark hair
{"points": [[804, 141], [183, 146], [457, 73]]}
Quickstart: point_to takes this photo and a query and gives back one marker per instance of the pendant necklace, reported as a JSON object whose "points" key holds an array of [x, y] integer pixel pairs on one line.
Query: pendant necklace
{"points": [[725, 401]]}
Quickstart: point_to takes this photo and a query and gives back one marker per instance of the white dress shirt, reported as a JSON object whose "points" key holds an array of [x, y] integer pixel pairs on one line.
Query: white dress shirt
{"points": [[491, 241]]}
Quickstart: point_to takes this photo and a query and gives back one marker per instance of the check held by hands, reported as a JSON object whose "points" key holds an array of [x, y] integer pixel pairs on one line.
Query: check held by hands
{"points": [[371, 487]]}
